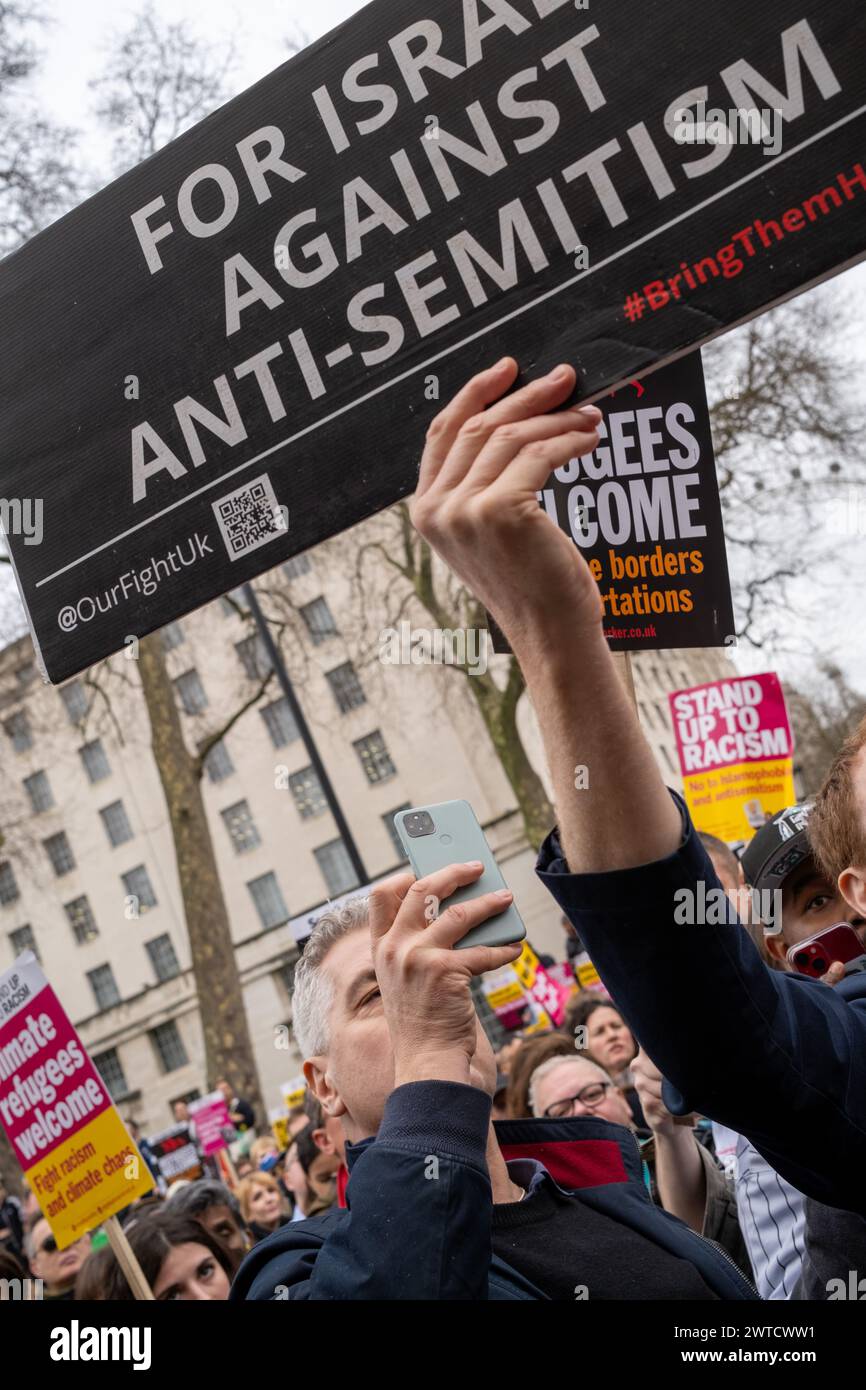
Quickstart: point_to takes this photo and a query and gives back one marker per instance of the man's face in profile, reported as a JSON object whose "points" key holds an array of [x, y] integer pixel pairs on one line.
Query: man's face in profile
{"points": [[359, 1066]]}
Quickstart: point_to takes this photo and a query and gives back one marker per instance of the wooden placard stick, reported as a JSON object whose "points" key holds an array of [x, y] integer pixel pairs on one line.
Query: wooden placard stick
{"points": [[125, 1257]]}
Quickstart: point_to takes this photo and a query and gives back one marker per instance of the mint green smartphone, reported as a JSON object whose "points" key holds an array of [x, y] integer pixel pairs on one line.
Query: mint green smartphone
{"points": [[436, 836]]}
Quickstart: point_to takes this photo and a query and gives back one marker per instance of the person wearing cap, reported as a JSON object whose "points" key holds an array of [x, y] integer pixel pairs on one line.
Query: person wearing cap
{"points": [[828, 1242], [773, 1055], [779, 859]]}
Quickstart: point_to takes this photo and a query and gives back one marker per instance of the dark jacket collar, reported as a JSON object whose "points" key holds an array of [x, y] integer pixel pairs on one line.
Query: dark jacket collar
{"points": [[578, 1153]]}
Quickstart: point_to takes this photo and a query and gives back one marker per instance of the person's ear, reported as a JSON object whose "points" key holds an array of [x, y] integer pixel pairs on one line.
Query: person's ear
{"points": [[322, 1087], [322, 1141], [776, 946], [852, 886]]}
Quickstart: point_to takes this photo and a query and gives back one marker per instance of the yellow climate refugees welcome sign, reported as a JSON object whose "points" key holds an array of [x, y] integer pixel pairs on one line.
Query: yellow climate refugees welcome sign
{"points": [[74, 1148]]}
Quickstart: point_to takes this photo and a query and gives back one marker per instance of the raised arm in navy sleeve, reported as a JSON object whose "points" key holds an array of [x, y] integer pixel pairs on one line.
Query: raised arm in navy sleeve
{"points": [[777, 1057]]}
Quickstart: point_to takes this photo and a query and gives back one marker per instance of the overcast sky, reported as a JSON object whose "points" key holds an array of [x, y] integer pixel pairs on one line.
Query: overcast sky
{"points": [[74, 47], [258, 29]]}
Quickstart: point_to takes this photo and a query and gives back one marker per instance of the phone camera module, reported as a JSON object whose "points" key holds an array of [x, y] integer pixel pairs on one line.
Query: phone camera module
{"points": [[418, 824]]}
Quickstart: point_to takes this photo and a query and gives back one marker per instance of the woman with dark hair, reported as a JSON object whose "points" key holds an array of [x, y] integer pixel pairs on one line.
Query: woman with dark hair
{"points": [[95, 1275], [608, 1042], [182, 1262]]}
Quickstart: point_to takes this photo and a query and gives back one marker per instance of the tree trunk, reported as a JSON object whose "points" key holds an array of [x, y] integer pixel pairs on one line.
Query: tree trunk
{"points": [[228, 1047], [498, 707], [499, 712]]}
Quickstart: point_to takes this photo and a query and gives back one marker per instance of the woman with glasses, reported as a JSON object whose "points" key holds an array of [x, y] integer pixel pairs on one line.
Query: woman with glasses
{"points": [[563, 1087], [680, 1175], [606, 1039]]}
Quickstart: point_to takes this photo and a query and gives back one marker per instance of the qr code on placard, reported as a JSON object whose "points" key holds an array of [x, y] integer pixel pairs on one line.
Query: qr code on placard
{"points": [[250, 516]]}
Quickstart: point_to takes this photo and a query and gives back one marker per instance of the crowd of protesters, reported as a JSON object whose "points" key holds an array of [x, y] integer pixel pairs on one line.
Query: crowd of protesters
{"points": [[693, 1130], [190, 1237]]}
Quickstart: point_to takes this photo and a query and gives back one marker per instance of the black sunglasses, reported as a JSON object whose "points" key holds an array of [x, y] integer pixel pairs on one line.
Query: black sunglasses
{"points": [[48, 1246]]}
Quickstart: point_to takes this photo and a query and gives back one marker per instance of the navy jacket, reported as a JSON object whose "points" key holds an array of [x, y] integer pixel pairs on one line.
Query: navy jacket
{"points": [[419, 1219], [779, 1058]]}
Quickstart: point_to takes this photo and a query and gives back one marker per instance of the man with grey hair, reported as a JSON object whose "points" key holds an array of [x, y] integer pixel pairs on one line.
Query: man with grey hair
{"points": [[437, 1208], [384, 1014]]}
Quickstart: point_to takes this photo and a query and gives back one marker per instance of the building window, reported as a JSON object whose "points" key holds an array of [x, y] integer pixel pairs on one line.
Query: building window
{"points": [[109, 1068], [242, 830], [81, 920], [336, 866], [307, 792], [169, 1046], [190, 692], [116, 822], [319, 620], [38, 788], [162, 957], [136, 884], [280, 722], [218, 765], [59, 851], [388, 822], [270, 905], [74, 697], [346, 688], [18, 731], [374, 756], [172, 636], [95, 760], [8, 887], [254, 658], [298, 565], [104, 987], [22, 939]]}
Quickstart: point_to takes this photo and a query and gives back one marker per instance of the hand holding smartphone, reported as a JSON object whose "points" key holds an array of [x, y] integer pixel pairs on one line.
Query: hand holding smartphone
{"points": [[448, 833], [815, 955]]}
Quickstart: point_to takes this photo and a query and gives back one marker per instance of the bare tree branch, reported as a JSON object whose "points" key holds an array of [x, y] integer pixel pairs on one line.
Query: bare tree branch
{"points": [[213, 739]]}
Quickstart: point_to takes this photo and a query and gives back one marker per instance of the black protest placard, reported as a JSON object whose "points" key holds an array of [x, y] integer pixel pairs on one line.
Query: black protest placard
{"points": [[176, 1154], [233, 351], [644, 510]]}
